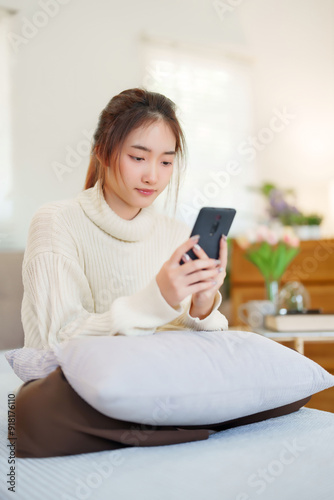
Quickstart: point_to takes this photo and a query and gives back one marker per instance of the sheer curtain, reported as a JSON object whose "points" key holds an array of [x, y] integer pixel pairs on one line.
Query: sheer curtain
{"points": [[213, 93], [6, 204]]}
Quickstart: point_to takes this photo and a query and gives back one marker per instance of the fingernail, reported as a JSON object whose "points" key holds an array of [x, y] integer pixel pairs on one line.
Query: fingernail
{"points": [[185, 257], [195, 237], [214, 282], [197, 247], [224, 237], [220, 270], [217, 261]]}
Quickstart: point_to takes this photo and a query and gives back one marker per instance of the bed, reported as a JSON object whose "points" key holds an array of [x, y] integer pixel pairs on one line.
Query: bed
{"points": [[286, 457]]}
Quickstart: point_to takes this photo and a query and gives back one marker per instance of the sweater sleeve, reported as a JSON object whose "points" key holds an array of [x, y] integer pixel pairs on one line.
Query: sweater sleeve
{"points": [[58, 304], [214, 321]]}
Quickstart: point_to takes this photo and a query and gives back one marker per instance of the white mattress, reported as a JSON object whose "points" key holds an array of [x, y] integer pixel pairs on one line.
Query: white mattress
{"points": [[289, 457]]}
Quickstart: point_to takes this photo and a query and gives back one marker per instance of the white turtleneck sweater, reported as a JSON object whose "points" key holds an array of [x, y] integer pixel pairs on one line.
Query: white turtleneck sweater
{"points": [[87, 271]]}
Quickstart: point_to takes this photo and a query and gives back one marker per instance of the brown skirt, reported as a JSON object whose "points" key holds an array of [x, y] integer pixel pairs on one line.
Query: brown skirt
{"points": [[53, 420]]}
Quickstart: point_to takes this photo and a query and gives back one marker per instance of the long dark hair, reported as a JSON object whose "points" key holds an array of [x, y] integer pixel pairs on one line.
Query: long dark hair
{"points": [[123, 113]]}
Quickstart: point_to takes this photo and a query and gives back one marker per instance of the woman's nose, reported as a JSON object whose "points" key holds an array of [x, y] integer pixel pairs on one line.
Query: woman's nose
{"points": [[150, 173]]}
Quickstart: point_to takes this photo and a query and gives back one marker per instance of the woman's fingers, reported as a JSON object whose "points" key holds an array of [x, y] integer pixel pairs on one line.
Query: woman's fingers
{"points": [[206, 269], [201, 286], [199, 276], [223, 250], [202, 255], [198, 250], [183, 249], [195, 276], [193, 266]]}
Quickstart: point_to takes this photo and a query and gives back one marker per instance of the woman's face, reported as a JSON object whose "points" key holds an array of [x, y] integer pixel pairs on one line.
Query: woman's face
{"points": [[146, 163]]}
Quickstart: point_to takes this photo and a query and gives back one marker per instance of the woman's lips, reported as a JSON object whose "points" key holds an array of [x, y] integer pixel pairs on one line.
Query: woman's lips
{"points": [[145, 192]]}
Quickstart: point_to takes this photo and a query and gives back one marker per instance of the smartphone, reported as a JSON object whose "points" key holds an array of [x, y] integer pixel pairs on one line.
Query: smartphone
{"points": [[210, 224]]}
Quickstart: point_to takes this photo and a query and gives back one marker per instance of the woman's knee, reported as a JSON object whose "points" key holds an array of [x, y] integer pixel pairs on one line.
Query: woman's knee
{"points": [[34, 423]]}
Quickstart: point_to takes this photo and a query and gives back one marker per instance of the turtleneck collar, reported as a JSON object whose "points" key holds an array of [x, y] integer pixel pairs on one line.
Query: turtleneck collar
{"points": [[97, 209]]}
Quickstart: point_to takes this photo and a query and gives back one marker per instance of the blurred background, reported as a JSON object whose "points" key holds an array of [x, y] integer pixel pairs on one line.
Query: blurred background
{"points": [[253, 81]]}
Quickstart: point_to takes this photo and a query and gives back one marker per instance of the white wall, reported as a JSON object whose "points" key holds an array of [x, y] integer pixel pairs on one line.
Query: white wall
{"points": [[293, 43], [11, 5], [88, 51]]}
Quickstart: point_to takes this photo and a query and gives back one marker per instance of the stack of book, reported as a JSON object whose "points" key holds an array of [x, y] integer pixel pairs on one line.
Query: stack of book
{"points": [[300, 322]]}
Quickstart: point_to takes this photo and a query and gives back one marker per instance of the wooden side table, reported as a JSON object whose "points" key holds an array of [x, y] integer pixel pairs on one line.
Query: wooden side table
{"points": [[313, 267], [297, 338]]}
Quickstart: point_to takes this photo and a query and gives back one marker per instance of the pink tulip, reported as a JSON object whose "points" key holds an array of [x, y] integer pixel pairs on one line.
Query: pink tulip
{"points": [[272, 237], [294, 242], [261, 233], [289, 237]]}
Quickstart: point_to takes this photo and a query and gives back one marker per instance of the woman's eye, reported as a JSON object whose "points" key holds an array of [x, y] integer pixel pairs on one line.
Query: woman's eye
{"points": [[137, 158]]}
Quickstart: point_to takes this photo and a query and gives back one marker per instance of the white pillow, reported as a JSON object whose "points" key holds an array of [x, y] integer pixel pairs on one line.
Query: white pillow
{"points": [[29, 363], [187, 377]]}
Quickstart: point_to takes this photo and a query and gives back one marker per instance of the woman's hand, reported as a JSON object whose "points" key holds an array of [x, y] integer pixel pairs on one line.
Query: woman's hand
{"points": [[202, 302], [200, 278]]}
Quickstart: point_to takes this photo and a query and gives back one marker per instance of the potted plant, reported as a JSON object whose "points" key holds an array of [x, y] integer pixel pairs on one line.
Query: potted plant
{"points": [[307, 227], [281, 208]]}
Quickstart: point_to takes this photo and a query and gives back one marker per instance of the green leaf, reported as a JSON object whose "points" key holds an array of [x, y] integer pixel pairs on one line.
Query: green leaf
{"points": [[271, 261]]}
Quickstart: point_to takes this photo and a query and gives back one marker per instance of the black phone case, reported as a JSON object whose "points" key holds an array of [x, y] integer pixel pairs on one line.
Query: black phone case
{"points": [[210, 224]]}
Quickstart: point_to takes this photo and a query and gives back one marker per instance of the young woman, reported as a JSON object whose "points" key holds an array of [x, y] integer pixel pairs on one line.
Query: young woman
{"points": [[107, 263]]}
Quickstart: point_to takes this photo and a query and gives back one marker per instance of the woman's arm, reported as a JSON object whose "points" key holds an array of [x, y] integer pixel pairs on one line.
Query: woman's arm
{"points": [[58, 304]]}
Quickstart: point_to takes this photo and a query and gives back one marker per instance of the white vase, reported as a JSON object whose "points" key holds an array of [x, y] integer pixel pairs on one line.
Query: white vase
{"points": [[308, 232], [314, 233]]}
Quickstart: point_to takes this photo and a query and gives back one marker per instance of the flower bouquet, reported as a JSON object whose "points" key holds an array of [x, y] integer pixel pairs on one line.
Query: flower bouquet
{"points": [[271, 251]]}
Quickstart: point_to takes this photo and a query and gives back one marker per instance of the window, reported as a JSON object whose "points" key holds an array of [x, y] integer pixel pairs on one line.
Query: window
{"points": [[213, 94]]}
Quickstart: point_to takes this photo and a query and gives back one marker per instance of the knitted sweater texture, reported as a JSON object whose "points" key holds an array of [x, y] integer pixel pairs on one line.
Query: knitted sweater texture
{"points": [[87, 271]]}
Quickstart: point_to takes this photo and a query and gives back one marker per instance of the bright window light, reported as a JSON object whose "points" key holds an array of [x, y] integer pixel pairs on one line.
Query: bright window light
{"points": [[213, 94]]}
